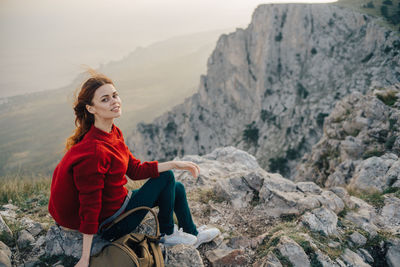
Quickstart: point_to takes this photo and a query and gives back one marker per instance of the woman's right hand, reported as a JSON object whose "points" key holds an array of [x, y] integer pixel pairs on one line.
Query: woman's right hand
{"points": [[82, 263]]}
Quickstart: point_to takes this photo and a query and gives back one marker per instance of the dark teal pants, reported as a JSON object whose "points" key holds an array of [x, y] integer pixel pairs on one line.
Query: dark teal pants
{"points": [[168, 195]]}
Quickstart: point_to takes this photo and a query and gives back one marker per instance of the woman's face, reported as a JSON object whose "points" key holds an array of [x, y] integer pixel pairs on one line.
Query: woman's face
{"points": [[106, 104]]}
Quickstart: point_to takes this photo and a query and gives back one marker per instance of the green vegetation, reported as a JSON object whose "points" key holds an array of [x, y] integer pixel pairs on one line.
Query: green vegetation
{"points": [[302, 91], [374, 198], [278, 38], [309, 250], [389, 98], [283, 259], [23, 191], [251, 133], [373, 153], [378, 8], [320, 118], [205, 195], [390, 142], [279, 164]]}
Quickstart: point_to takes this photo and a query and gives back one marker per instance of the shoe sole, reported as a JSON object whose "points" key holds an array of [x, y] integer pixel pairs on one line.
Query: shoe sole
{"points": [[205, 241]]}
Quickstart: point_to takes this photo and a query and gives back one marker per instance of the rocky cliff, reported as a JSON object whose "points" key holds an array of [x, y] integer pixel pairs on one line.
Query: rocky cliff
{"points": [[360, 147], [269, 87]]}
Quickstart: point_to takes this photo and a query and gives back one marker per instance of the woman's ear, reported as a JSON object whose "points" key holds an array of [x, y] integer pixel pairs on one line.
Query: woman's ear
{"points": [[90, 108]]}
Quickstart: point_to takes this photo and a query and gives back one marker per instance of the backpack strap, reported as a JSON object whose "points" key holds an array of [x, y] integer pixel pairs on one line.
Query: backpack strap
{"points": [[129, 212]]}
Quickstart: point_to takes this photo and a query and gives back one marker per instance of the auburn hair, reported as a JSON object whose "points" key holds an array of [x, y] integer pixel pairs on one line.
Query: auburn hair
{"points": [[83, 118]]}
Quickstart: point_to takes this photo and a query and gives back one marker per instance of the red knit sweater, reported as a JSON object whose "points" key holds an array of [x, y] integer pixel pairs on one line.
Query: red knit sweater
{"points": [[88, 183]]}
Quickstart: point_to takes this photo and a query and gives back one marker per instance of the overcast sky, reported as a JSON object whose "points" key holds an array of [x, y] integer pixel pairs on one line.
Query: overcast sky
{"points": [[44, 42]]}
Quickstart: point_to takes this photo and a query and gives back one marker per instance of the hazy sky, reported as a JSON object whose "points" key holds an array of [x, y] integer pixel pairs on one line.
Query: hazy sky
{"points": [[44, 42]]}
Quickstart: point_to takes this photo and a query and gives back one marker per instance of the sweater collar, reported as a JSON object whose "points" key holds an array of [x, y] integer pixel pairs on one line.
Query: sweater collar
{"points": [[102, 135]]}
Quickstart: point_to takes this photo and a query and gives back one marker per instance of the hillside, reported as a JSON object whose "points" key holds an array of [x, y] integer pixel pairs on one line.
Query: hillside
{"points": [[150, 80]]}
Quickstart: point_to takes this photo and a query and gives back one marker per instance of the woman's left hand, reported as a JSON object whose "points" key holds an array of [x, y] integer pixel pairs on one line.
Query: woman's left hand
{"points": [[189, 166]]}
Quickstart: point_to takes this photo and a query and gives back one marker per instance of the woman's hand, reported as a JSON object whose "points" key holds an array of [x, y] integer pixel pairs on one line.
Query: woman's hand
{"points": [[82, 263], [189, 166]]}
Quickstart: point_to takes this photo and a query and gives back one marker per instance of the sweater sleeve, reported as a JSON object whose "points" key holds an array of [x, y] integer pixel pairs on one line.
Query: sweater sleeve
{"points": [[139, 171], [89, 175]]}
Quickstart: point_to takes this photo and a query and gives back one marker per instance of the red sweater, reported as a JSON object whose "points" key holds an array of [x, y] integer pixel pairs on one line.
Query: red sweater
{"points": [[88, 183]]}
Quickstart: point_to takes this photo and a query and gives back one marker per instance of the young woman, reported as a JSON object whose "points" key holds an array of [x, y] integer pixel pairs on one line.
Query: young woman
{"points": [[87, 189]]}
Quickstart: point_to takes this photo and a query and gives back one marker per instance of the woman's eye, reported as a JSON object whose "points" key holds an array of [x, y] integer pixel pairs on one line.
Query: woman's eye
{"points": [[104, 100], [116, 95]]}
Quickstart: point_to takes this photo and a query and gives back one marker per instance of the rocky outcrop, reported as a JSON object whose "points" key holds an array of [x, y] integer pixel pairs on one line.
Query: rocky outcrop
{"points": [[360, 145], [269, 87], [265, 220]]}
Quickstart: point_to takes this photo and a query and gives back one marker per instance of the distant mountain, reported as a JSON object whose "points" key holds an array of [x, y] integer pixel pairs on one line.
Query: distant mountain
{"points": [[269, 87], [150, 81]]}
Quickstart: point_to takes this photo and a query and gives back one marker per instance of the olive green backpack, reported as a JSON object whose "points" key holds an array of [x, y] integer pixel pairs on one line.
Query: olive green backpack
{"points": [[134, 249]]}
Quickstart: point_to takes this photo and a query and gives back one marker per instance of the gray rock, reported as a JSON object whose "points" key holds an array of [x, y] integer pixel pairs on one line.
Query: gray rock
{"points": [[353, 259], [309, 187], [25, 239], [4, 229], [5, 249], [391, 212], [321, 219], [69, 243], [183, 256], [31, 226], [293, 252], [331, 201], [268, 261], [365, 255], [227, 257], [5, 261], [357, 145], [371, 174], [393, 254], [235, 191], [358, 239]]}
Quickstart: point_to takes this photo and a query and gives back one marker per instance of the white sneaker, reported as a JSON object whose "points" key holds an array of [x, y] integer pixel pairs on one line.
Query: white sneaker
{"points": [[179, 237], [206, 234]]}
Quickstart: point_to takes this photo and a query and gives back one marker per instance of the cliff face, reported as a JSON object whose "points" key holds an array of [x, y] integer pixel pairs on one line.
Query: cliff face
{"points": [[269, 87]]}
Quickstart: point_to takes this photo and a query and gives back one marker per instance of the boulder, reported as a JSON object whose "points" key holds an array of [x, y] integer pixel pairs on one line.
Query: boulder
{"points": [[5, 255], [393, 253], [69, 243], [321, 220], [391, 213], [25, 239], [353, 259], [358, 239], [4, 229], [268, 261], [183, 256], [371, 174], [227, 257], [293, 252]]}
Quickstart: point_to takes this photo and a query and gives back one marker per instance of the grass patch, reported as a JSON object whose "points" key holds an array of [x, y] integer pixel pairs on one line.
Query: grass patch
{"points": [[289, 217], [374, 198], [378, 252], [389, 98], [20, 189], [392, 190], [205, 195], [373, 153], [309, 250]]}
